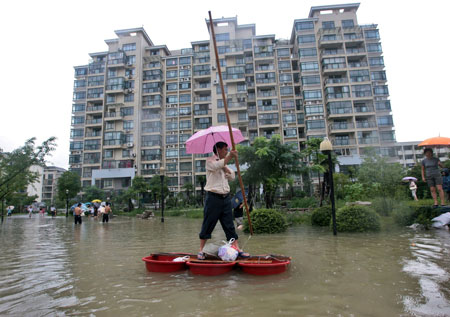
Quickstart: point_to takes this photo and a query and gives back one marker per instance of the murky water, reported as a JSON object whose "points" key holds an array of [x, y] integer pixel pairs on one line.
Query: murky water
{"points": [[50, 267]]}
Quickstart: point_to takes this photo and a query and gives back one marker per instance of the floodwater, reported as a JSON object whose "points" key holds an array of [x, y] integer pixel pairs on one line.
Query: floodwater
{"points": [[49, 267]]}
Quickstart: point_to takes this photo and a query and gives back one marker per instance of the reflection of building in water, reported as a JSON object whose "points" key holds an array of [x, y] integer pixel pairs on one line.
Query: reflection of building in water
{"points": [[136, 104]]}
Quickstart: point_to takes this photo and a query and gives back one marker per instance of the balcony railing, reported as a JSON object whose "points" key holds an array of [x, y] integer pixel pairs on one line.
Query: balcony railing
{"points": [[94, 108], [342, 126], [338, 95], [366, 124], [336, 81], [364, 109], [94, 121], [357, 64], [343, 142], [368, 140]]}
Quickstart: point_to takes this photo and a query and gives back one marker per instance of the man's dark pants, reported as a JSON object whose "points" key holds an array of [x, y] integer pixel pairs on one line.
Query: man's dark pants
{"points": [[217, 208]]}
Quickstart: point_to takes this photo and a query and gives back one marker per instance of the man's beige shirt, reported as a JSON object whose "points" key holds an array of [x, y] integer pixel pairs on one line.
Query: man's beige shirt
{"points": [[216, 178]]}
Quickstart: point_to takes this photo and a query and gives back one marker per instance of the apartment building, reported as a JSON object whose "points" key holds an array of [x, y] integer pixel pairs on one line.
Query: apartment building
{"points": [[135, 104], [45, 186], [409, 154]]}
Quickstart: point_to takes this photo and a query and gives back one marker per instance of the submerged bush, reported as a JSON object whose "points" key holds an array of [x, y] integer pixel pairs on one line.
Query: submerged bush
{"points": [[297, 218], [305, 202], [357, 219], [266, 221], [384, 206], [321, 216], [403, 215]]}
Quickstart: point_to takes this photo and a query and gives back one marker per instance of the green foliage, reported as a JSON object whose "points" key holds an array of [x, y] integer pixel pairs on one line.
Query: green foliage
{"points": [[15, 173], [305, 202], [357, 219], [68, 181], [271, 163], [403, 215], [321, 216], [354, 192], [296, 218], [340, 180], [375, 169], [384, 206], [93, 192], [266, 221]]}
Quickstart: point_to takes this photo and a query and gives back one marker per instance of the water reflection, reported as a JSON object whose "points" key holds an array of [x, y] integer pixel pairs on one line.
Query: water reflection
{"points": [[49, 266]]}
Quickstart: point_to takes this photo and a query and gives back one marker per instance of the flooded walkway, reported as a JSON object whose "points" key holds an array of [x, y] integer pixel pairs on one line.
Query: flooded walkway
{"points": [[50, 267]]}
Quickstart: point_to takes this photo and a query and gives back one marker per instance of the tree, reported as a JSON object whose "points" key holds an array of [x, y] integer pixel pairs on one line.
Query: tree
{"points": [[188, 187], [15, 172], [271, 163], [387, 177], [93, 192], [68, 181]]}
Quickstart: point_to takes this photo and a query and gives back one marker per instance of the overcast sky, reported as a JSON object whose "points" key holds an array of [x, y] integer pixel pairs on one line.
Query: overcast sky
{"points": [[43, 40]]}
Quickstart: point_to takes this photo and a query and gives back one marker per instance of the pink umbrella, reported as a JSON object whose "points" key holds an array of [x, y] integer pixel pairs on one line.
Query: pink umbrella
{"points": [[202, 142]]}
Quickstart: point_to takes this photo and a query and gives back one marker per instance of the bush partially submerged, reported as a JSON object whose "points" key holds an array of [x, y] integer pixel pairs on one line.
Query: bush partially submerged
{"points": [[266, 221], [321, 216], [357, 219], [305, 202]]}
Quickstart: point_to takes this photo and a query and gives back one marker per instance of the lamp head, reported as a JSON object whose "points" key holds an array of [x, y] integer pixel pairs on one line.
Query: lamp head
{"points": [[67, 191], [326, 145], [162, 170]]}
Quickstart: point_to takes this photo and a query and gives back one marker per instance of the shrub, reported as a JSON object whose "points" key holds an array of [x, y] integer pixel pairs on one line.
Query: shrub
{"points": [[305, 202], [384, 206], [357, 219], [321, 216], [266, 221]]}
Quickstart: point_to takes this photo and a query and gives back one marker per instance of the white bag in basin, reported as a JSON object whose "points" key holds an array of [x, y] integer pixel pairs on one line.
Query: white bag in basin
{"points": [[227, 252], [441, 221]]}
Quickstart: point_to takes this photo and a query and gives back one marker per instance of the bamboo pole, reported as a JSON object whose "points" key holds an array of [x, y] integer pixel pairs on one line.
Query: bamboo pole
{"points": [[225, 104]]}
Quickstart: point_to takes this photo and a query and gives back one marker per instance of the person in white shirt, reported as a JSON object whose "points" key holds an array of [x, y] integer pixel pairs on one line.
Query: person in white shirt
{"points": [[218, 200]]}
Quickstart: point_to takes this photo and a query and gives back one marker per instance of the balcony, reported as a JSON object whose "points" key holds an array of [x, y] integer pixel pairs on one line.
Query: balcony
{"points": [[364, 109], [341, 126], [202, 98], [365, 141], [355, 50], [97, 121], [331, 81], [117, 164], [269, 122], [93, 134], [202, 86], [94, 108], [343, 142], [332, 52], [353, 37], [366, 124], [111, 116], [333, 67], [357, 64], [265, 94], [235, 105], [341, 95]]}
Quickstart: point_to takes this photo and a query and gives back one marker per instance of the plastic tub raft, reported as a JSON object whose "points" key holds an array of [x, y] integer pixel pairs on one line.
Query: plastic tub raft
{"points": [[255, 265]]}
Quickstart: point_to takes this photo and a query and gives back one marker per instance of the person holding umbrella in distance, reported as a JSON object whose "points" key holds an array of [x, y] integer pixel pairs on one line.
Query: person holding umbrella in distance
{"points": [[218, 200]]}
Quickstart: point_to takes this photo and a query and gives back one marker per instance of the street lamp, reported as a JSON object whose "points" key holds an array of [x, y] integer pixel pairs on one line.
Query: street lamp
{"points": [[67, 203], [326, 147], [161, 175]]}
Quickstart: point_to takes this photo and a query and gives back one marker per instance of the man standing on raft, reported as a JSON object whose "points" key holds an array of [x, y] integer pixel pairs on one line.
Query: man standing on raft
{"points": [[218, 200]]}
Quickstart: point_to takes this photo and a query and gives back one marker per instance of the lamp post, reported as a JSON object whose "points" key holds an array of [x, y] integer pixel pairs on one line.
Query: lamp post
{"points": [[161, 175], [67, 203], [326, 147]]}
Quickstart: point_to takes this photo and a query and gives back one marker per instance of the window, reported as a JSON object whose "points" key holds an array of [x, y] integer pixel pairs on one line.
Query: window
{"points": [[286, 91], [359, 75], [185, 124], [373, 47], [385, 121], [387, 136], [348, 23], [77, 120], [315, 124], [383, 105], [150, 155], [300, 118], [184, 73], [291, 132], [128, 125], [171, 62], [289, 118], [314, 110], [171, 152], [172, 99], [284, 65], [222, 37], [110, 98], [184, 60], [283, 52], [185, 111], [127, 111], [328, 24], [108, 154], [131, 59], [241, 87], [361, 90], [172, 125], [221, 117], [172, 86], [186, 98], [129, 97], [309, 66], [76, 133], [79, 95], [77, 145], [371, 34], [172, 139], [380, 90], [287, 104], [305, 25], [312, 94], [172, 112], [151, 140], [307, 52], [376, 61], [380, 75], [126, 153], [185, 85], [308, 38], [78, 107], [172, 73], [311, 80], [129, 47]]}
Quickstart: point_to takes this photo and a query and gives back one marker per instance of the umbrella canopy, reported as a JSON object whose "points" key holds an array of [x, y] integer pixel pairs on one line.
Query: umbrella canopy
{"points": [[436, 141], [96, 201], [238, 199], [408, 178], [202, 142]]}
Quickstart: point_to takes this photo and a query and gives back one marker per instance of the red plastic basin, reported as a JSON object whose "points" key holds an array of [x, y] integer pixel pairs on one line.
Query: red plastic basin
{"points": [[163, 263], [210, 269], [276, 267]]}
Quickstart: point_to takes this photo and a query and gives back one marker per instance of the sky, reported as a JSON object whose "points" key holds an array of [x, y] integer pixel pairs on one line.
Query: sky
{"points": [[43, 40]]}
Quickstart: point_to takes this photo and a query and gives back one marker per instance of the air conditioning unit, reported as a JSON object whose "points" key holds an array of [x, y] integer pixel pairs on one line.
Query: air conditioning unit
{"points": [[189, 174], [213, 67], [130, 76], [216, 82], [133, 155], [129, 64], [130, 90], [130, 144]]}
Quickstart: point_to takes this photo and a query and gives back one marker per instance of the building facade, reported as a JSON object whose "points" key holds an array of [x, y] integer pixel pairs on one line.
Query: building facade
{"points": [[136, 104], [409, 154]]}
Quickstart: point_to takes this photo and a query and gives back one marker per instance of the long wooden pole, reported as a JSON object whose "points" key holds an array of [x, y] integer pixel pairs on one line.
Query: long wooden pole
{"points": [[225, 104]]}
